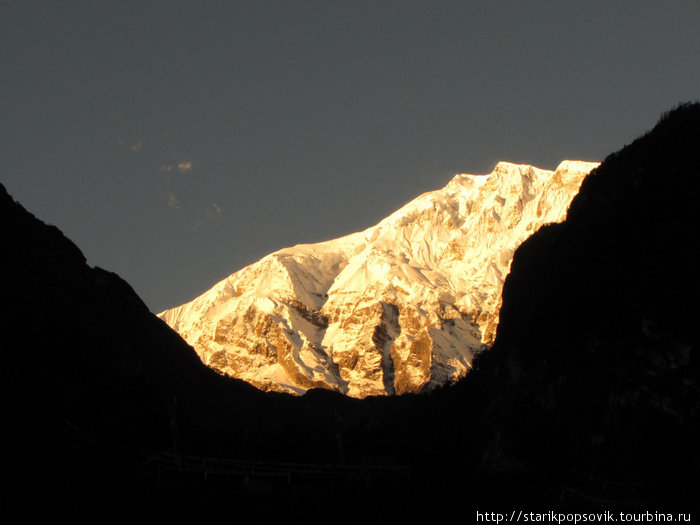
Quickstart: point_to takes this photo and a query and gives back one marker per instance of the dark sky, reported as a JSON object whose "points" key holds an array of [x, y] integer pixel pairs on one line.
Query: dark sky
{"points": [[177, 142]]}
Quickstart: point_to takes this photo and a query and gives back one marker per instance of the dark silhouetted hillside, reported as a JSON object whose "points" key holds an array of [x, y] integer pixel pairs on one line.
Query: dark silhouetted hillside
{"points": [[92, 380], [595, 369]]}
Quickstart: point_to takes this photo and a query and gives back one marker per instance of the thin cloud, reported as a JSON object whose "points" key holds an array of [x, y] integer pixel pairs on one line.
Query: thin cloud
{"points": [[185, 165], [206, 217], [134, 147], [173, 201]]}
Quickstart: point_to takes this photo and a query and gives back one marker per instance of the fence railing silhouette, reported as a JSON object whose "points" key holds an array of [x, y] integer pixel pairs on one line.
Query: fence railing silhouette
{"points": [[162, 464]]}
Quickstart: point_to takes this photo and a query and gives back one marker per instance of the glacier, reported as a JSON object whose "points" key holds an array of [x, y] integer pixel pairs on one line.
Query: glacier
{"points": [[401, 307]]}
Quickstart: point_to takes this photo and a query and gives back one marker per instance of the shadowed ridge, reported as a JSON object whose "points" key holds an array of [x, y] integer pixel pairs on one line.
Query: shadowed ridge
{"points": [[595, 372], [91, 377]]}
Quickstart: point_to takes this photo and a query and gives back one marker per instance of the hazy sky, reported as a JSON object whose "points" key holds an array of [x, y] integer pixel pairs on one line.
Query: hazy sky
{"points": [[177, 142]]}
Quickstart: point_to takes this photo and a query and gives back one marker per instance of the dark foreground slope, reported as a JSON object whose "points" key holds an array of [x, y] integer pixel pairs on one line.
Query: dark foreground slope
{"points": [[90, 376], [95, 385], [595, 373], [588, 400]]}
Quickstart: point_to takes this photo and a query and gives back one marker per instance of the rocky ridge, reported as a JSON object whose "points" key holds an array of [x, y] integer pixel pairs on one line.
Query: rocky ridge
{"points": [[401, 307]]}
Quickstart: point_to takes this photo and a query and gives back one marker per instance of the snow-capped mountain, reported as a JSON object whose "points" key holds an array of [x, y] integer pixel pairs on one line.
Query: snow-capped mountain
{"points": [[400, 307]]}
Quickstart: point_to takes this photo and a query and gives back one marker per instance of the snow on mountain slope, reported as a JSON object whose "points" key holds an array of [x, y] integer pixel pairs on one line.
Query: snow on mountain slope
{"points": [[400, 307]]}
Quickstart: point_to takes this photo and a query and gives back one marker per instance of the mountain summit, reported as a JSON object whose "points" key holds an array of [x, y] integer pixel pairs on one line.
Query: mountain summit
{"points": [[398, 308]]}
